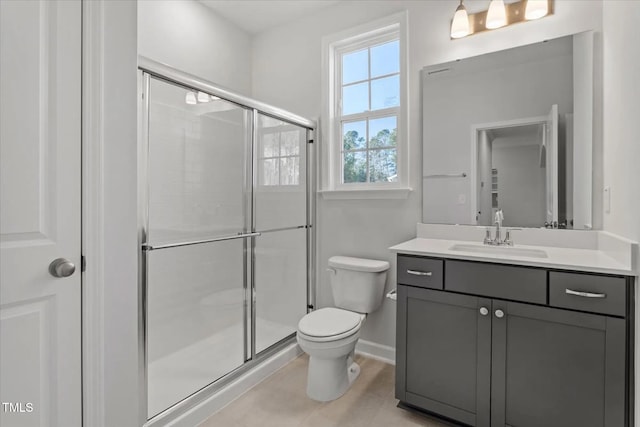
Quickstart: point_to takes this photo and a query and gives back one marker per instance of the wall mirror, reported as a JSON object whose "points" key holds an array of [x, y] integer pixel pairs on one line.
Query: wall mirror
{"points": [[511, 130]]}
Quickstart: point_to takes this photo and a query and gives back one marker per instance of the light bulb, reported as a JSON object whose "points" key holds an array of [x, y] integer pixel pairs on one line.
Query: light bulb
{"points": [[190, 98], [460, 23], [497, 15], [203, 97], [536, 9]]}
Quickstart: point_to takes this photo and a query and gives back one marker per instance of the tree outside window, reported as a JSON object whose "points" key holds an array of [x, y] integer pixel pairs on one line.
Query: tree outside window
{"points": [[369, 102]]}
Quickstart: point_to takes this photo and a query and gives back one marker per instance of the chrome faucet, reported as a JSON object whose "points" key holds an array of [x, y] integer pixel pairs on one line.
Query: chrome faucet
{"points": [[507, 238], [497, 240], [499, 217]]}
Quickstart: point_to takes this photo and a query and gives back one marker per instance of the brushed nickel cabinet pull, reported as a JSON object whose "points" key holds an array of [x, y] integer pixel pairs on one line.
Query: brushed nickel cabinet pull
{"points": [[584, 294], [420, 273]]}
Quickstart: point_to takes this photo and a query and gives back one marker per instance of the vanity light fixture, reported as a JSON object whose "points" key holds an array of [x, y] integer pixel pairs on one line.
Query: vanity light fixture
{"points": [[203, 97], [190, 98], [460, 23], [536, 9], [496, 15], [499, 14]]}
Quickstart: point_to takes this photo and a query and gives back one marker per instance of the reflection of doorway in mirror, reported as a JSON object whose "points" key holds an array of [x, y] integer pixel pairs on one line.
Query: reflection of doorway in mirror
{"points": [[516, 170]]}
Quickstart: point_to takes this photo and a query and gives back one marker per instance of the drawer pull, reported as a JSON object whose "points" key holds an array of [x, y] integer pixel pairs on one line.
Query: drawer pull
{"points": [[585, 294], [420, 273]]}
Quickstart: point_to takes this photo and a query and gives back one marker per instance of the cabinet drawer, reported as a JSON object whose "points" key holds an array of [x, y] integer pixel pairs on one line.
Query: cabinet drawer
{"points": [[587, 292], [420, 271], [497, 281]]}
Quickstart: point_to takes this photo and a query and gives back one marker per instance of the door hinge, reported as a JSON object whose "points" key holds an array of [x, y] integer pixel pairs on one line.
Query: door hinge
{"points": [[83, 263]]}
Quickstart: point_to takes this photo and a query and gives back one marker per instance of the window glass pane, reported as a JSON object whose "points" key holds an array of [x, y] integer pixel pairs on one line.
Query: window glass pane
{"points": [[269, 142], [382, 132], [355, 66], [382, 165], [355, 98], [385, 93], [354, 166], [289, 172], [385, 59], [290, 143], [270, 172], [354, 135]]}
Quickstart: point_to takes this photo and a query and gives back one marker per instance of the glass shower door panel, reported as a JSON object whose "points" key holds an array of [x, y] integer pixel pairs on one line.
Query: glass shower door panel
{"points": [[281, 178], [198, 151], [195, 319], [280, 285]]}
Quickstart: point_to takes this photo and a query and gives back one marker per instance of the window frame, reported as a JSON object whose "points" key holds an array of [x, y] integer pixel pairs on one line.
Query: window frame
{"points": [[369, 35]]}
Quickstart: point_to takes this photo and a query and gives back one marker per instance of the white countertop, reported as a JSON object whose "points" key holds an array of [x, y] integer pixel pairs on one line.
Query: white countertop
{"points": [[563, 258]]}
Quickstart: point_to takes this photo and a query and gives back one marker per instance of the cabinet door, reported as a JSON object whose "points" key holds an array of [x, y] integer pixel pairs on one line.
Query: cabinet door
{"points": [[556, 368], [443, 353]]}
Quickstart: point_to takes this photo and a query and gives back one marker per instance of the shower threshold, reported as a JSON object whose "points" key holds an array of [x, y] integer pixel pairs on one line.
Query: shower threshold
{"points": [[176, 376]]}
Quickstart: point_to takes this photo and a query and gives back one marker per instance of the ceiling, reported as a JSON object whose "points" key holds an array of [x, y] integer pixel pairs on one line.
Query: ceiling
{"points": [[255, 16]]}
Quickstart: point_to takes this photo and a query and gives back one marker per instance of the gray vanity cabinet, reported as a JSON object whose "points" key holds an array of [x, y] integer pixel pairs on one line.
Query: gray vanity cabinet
{"points": [[556, 368], [444, 347], [482, 360]]}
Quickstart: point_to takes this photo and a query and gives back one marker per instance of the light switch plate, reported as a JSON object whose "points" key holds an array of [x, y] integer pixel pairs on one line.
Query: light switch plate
{"points": [[607, 199]]}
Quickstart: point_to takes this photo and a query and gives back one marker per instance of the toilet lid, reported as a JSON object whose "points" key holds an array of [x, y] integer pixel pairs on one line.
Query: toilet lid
{"points": [[328, 322]]}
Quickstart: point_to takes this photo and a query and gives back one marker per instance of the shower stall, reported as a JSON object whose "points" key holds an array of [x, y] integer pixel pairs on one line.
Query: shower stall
{"points": [[226, 237]]}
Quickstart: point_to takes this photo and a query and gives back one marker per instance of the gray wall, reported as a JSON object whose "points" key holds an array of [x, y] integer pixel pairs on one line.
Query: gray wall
{"points": [[189, 36], [521, 183], [622, 134]]}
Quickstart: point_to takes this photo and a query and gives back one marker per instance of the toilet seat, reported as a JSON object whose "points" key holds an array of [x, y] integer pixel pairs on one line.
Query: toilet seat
{"points": [[329, 324]]}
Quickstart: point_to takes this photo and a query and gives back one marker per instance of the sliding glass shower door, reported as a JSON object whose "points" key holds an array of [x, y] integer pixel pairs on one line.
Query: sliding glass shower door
{"points": [[198, 207], [280, 207], [225, 233]]}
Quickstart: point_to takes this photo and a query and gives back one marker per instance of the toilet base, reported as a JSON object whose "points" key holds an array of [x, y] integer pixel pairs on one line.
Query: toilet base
{"points": [[328, 379]]}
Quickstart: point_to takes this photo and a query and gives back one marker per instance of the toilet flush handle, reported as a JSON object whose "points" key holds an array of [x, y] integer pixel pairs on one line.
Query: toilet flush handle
{"points": [[331, 270]]}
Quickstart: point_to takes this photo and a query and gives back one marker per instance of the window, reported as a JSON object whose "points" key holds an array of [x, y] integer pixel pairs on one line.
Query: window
{"points": [[279, 153], [366, 108]]}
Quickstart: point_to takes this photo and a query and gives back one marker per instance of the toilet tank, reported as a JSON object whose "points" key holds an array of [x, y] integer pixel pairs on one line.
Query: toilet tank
{"points": [[357, 284]]}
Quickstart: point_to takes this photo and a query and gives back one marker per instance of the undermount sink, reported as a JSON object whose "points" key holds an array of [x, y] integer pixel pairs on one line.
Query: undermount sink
{"points": [[499, 250]]}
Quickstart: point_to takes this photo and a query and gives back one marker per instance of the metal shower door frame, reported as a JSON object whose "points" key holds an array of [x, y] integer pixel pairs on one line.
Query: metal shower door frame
{"points": [[150, 69]]}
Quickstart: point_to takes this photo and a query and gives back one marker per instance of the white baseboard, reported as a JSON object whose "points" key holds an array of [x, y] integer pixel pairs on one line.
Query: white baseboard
{"points": [[235, 389], [383, 353]]}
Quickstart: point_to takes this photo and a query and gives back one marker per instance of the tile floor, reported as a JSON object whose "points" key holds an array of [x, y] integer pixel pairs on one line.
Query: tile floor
{"points": [[281, 401]]}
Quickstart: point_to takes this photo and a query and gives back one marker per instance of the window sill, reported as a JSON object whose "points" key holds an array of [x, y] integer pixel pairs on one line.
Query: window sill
{"points": [[370, 194]]}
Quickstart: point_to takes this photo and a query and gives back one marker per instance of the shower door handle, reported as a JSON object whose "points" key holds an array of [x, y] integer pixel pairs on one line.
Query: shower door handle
{"points": [[149, 247]]}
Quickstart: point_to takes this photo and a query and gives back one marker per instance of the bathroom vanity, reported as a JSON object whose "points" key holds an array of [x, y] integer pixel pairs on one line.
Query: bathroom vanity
{"points": [[509, 341]]}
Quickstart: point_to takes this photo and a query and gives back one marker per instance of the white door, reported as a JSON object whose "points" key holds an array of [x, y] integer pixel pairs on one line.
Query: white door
{"points": [[551, 147], [40, 128]]}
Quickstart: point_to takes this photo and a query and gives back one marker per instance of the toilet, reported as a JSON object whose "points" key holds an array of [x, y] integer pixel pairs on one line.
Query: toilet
{"points": [[329, 335]]}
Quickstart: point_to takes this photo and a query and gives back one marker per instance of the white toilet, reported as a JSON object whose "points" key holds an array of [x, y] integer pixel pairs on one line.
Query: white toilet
{"points": [[329, 335]]}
